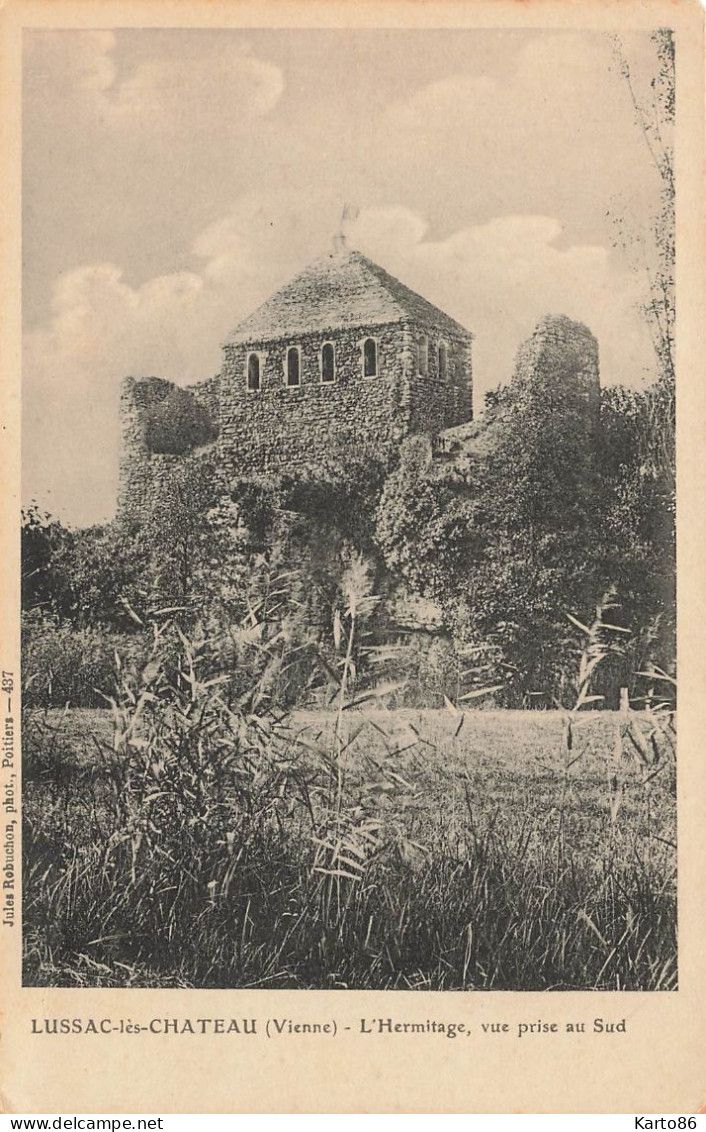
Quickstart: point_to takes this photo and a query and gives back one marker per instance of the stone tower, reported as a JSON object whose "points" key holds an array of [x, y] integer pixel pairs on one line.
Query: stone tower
{"points": [[343, 356]]}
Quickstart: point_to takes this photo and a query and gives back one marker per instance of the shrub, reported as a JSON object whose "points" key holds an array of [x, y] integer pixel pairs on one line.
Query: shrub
{"points": [[46, 583], [65, 665], [108, 572]]}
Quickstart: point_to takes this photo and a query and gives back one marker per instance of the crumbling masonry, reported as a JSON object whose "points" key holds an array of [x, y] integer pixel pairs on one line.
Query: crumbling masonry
{"points": [[344, 357]]}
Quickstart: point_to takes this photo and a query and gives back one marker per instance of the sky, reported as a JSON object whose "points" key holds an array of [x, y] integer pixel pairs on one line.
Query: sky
{"points": [[173, 179]]}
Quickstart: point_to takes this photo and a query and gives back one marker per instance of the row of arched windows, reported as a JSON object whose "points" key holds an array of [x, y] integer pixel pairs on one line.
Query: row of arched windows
{"points": [[327, 363], [442, 358]]}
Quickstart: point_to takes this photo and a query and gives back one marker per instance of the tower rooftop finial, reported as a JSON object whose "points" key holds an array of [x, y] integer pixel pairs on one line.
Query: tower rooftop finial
{"points": [[348, 213]]}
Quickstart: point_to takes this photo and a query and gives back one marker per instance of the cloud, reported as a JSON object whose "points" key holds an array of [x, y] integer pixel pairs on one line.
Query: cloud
{"points": [[389, 232], [225, 89], [500, 278], [260, 238], [497, 278], [558, 126], [101, 330], [558, 72], [436, 105]]}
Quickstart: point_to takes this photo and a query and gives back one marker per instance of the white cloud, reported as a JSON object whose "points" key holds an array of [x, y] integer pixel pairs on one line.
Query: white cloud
{"points": [[388, 232], [224, 85], [259, 238], [497, 278], [500, 278], [101, 330], [70, 61], [228, 89], [437, 104], [558, 127]]}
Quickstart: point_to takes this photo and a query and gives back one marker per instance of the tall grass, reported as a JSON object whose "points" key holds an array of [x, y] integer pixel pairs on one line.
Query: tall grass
{"points": [[218, 843]]}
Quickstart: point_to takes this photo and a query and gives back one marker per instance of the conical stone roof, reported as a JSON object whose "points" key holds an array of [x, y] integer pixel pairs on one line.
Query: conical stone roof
{"points": [[341, 290]]}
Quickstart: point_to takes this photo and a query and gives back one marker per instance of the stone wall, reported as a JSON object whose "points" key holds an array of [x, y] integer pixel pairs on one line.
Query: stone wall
{"points": [[208, 394], [556, 374], [135, 483], [142, 471], [436, 403], [559, 359], [279, 428]]}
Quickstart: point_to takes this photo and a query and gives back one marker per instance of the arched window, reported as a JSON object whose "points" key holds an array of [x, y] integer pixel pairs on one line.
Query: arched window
{"points": [[370, 358], [253, 373], [328, 362], [293, 366], [424, 357], [443, 359]]}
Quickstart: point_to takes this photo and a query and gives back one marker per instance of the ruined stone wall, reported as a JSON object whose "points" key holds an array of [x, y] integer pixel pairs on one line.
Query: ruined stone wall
{"points": [[135, 475], [208, 394], [559, 360], [279, 429], [556, 375], [143, 472]]}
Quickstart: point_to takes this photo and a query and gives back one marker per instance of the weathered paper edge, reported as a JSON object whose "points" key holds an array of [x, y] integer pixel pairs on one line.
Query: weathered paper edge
{"points": [[659, 1066]]}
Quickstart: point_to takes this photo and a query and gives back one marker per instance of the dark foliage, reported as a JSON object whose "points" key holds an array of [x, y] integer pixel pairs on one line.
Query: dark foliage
{"points": [[507, 539], [178, 424], [45, 583], [554, 512]]}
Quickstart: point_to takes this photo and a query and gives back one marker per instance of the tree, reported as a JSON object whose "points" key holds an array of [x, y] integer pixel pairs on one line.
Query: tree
{"points": [[108, 574], [428, 529], [638, 450], [45, 583], [652, 247], [639, 526], [509, 539]]}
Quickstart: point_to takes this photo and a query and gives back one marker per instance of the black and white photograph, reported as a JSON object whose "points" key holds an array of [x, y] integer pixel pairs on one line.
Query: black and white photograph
{"points": [[349, 510]]}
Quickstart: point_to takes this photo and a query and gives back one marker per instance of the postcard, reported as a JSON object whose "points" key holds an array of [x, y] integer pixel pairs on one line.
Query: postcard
{"points": [[352, 542]]}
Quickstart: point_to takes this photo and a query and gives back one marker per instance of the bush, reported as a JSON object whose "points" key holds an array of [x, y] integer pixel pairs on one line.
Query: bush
{"points": [[65, 665], [178, 424], [46, 583], [108, 572]]}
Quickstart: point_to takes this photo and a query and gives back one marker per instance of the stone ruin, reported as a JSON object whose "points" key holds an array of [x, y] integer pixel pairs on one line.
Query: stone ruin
{"points": [[344, 357]]}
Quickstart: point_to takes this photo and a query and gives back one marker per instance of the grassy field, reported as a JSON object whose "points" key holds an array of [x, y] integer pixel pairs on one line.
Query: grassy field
{"points": [[410, 850]]}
